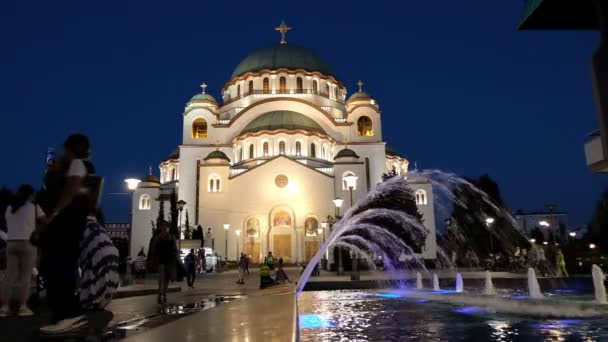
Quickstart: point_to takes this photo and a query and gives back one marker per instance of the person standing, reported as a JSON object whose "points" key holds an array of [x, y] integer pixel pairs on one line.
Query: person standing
{"points": [[560, 264], [71, 202], [241, 269], [269, 260], [190, 263], [165, 251], [22, 217], [246, 264]]}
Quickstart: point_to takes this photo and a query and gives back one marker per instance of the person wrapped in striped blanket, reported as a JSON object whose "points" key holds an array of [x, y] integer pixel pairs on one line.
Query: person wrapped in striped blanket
{"points": [[99, 267]]}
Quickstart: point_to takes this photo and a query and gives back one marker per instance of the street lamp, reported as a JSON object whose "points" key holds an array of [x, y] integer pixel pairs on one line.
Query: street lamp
{"points": [[489, 222], [546, 225], [226, 228], [532, 241], [572, 234], [338, 203], [132, 184], [351, 184], [180, 207], [592, 246], [238, 235]]}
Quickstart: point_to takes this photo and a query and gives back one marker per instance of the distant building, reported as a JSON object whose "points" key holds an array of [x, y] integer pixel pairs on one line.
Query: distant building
{"points": [[548, 223], [118, 230]]}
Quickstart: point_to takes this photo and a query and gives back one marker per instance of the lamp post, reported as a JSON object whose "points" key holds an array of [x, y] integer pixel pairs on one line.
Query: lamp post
{"points": [[238, 235], [351, 184], [489, 222], [180, 207], [546, 225], [132, 184], [321, 231], [338, 203], [226, 228]]}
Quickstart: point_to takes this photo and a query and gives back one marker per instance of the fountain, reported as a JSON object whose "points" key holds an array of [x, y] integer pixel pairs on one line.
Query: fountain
{"points": [[436, 282], [598, 284], [419, 281], [533, 287], [459, 284], [489, 289]]}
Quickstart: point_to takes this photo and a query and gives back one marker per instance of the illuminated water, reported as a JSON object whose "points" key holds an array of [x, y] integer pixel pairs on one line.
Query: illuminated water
{"points": [[387, 316]]}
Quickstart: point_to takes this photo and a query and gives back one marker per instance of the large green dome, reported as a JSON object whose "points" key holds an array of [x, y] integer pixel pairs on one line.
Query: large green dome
{"points": [[278, 56], [282, 119]]}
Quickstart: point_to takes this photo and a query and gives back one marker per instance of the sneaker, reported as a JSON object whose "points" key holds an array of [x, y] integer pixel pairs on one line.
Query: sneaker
{"points": [[24, 311], [4, 311], [65, 325]]}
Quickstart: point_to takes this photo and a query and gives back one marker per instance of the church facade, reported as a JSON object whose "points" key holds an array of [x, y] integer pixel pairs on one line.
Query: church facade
{"points": [[263, 168]]}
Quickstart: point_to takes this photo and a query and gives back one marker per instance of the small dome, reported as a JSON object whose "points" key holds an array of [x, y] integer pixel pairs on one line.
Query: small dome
{"points": [[359, 95], [279, 56], [217, 154], [282, 119], [174, 154], [150, 179], [202, 97], [390, 150], [346, 153]]}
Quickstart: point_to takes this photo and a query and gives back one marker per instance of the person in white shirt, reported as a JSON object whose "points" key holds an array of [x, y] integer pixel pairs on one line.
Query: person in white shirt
{"points": [[21, 220]]}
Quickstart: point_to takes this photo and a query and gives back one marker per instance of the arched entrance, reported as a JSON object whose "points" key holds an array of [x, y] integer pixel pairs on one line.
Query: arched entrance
{"points": [[252, 239], [282, 233], [311, 238]]}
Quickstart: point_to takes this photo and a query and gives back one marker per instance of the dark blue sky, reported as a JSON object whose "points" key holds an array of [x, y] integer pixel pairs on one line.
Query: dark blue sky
{"points": [[460, 88]]}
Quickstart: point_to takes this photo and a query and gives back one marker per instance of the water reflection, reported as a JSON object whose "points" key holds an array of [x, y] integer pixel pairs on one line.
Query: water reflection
{"points": [[381, 316]]}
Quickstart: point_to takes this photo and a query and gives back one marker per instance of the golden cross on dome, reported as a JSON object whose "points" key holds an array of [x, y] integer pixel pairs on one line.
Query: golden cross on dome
{"points": [[283, 28], [204, 85], [360, 84]]}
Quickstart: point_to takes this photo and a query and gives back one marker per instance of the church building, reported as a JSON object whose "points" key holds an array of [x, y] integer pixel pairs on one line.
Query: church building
{"points": [[265, 166]]}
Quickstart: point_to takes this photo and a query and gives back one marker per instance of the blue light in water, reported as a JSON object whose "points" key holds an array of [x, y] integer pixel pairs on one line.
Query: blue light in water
{"points": [[569, 321], [519, 297], [421, 300], [564, 291], [388, 295], [314, 322], [469, 310]]}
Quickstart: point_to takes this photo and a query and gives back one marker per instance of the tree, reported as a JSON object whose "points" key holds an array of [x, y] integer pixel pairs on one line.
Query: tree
{"points": [[174, 213], [161, 214], [187, 230]]}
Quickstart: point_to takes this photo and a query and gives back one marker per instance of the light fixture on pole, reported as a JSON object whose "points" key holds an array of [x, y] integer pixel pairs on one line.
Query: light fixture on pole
{"points": [[592, 246], [238, 235], [351, 184], [532, 241], [338, 204], [226, 228], [546, 225], [322, 231], [489, 222], [572, 234], [180, 207], [132, 184]]}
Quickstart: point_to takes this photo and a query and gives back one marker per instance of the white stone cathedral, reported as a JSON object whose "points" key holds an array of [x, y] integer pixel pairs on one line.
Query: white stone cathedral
{"points": [[269, 162]]}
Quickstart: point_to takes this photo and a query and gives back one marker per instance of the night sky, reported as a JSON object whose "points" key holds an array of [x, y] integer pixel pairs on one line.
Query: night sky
{"points": [[460, 88]]}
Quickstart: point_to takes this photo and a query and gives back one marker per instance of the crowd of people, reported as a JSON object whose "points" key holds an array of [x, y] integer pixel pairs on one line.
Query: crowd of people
{"points": [[55, 232]]}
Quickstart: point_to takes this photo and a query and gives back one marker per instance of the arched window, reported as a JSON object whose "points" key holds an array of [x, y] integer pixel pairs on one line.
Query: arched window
{"points": [[199, 129], [238, 91], [251, 151], [250, 87], [265, 148], [420, 197], [323, 152], [281, 147], [266, 85], [344, 183], [313, 150], [315, 87], [253, 228], [310, 226], [299, 85], [215, 184], [282, 85], [240, 154], [336, 92], [173, 174], [145, 202], [364, 127], [298, 148], [327, 89]]}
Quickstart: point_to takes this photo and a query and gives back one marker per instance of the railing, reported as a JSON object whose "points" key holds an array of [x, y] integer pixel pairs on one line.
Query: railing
{"points": [[320, 165], [236, 172], [296, 91]]}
